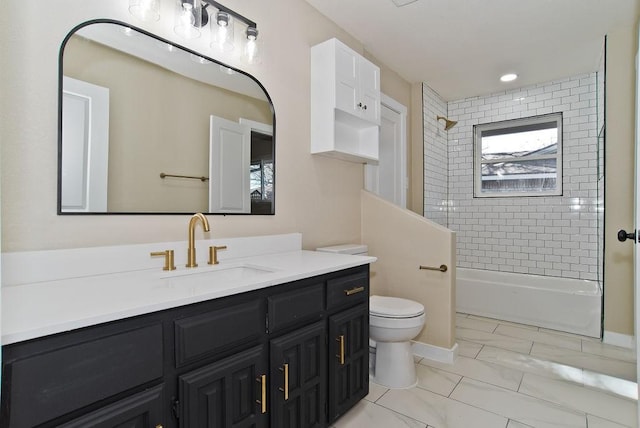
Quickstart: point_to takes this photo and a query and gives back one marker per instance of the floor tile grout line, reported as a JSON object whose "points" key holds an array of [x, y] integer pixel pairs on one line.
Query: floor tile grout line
{"points": [[570, 407], [454, 388], [401, 414], [554, 404], [452, 399], [473, 378]]}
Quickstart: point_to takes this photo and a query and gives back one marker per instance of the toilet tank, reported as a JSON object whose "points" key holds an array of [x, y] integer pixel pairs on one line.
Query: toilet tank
{"points": [[353, 249]]}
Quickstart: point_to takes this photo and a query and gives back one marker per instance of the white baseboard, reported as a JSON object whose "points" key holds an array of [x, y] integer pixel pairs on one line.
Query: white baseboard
{"points": [[435, 353], [618, 339]]}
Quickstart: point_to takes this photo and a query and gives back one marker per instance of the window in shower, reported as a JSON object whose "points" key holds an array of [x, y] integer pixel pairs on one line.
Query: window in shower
{"points": [[521, 157]]}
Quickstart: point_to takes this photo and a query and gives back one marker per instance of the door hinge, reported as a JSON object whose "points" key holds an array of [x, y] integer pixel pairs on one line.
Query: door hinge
{"points": [[175, 406]]}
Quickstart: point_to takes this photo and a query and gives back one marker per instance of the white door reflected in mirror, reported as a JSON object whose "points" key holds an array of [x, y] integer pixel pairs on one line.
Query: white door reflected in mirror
{"points": [[85, 152]]}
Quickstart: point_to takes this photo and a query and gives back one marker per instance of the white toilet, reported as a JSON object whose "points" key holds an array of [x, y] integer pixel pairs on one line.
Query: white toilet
{"points": [[393, 322]]}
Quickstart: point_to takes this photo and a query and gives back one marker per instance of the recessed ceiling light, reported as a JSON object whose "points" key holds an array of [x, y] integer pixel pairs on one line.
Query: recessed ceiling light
{"points": [[510, 77]]}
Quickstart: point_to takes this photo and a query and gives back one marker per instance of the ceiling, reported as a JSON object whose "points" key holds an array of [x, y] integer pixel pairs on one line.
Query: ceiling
{"points": [[460, 48]]}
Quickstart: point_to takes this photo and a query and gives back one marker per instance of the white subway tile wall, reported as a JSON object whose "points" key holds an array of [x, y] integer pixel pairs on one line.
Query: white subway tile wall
{"points": [[435, 159], [553, 235], [600, 91]]}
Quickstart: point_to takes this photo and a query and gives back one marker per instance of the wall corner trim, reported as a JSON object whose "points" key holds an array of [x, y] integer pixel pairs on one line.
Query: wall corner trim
{"points": [[435, 353], [619, 339]]}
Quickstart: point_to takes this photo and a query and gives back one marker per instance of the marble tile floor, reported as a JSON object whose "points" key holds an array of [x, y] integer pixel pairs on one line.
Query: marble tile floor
{"points": [[509, 375]]}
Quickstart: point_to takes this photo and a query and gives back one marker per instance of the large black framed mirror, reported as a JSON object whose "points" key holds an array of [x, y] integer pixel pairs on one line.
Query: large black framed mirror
{"points": [[150, 127]]}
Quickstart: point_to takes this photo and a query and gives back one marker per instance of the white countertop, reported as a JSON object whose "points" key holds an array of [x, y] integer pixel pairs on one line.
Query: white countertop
{"points": [[47, 307]]}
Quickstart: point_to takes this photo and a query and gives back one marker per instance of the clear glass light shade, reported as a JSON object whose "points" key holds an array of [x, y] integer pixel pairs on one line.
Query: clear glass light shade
{"points": [[145, 10], [188, 18], [222, 34], [251, 53]]}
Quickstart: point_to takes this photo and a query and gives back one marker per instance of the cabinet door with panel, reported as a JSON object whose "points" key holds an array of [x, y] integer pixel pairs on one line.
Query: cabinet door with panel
{"points": [[48, 379], [348, 359], [357, 84], [141, 410], [369, 90], [298, 378], [230, 393]]}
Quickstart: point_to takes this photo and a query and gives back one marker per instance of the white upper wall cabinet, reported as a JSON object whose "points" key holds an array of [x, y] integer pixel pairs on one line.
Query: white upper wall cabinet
{"points": [[345, 103]]}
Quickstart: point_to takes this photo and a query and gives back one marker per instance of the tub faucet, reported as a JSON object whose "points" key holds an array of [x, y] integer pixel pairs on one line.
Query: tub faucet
{"points": [[191, 252]]}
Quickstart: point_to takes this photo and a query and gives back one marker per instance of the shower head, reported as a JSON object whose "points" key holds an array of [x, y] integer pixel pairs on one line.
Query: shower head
{"points": [[448, 124]]}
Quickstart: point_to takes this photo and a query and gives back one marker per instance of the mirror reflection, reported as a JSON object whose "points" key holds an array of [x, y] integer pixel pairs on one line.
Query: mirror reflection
{"points": [[149, 127]]}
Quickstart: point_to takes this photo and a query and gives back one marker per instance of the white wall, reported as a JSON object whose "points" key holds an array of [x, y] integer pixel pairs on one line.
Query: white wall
{"points": [[556, 235]]}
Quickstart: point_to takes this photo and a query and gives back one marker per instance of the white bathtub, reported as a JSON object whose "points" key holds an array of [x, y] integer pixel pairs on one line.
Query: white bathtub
{"points": [[570, 305]]}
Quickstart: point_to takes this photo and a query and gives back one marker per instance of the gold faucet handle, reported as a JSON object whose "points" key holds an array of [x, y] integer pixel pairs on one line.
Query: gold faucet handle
{"points": [[213, 254], [168, 259]]}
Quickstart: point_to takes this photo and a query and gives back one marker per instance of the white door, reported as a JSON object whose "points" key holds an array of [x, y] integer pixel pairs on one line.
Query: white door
{"points": [[229, 162], [636, 253], [388, 179], [85, 147]]}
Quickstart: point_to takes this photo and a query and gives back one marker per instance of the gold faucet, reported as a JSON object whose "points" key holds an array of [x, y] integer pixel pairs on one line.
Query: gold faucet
{"points": [[191, 252]]}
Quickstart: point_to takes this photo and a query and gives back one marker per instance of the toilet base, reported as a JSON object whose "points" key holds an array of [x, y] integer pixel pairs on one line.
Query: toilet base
{"points": [[395, 367]]}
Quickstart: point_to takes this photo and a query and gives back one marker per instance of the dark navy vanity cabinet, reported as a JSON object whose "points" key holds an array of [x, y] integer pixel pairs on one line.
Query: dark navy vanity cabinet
{"points": [[288, 356]]}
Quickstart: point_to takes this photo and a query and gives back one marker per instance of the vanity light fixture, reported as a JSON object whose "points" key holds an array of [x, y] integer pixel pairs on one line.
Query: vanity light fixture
{"points": [[192, 16], [509, 77]]}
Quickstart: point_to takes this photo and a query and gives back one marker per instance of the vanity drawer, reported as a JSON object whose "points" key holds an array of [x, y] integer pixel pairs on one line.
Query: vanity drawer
{"points": [[347, 290], [62, 380], [218, 331], [292, 308]]}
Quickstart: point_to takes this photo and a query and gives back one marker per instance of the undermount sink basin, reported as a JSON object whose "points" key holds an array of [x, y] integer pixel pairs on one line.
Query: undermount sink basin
{"points": [[216, 275]]}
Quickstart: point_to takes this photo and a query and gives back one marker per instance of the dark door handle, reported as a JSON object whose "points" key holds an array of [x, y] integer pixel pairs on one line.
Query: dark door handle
{"points": [[623, 235]]}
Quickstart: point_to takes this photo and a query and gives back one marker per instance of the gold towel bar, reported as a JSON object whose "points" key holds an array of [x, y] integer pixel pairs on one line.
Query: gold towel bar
{"points": [[442, 268], [163, 175]]}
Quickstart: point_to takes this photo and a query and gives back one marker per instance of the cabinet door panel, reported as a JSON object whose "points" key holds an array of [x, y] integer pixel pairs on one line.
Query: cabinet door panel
{"points": [[140, 410], [225, 394], [293, 307], [304, 351], [346, 80], [349, 366], [66, 379], [218, 331], [348, 290], [370, 90]]}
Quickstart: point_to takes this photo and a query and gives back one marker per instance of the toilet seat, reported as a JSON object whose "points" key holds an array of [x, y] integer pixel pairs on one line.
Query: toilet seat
{"points": [[394, 307]]}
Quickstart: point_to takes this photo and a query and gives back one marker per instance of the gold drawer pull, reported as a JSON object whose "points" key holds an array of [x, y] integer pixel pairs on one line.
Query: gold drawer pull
{"points": [[285, 369], [262, 380], [354, 290], [341, 355]]}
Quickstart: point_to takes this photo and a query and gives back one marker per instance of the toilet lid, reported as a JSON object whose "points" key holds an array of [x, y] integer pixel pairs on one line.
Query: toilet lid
{"points": [[394, 307]]}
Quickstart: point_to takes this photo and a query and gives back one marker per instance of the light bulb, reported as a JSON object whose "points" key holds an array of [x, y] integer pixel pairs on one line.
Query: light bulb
{"points": [[222, 32], [145, 10], [251, 52], [188, 19]]}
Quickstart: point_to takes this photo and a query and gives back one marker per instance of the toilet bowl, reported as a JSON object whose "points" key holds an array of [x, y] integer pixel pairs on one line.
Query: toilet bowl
{"points": [[393, 322]]}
